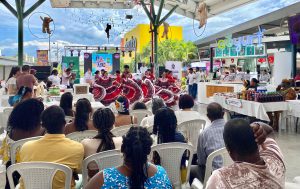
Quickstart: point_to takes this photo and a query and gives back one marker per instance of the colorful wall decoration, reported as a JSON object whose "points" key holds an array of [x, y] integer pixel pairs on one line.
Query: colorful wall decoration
{"points": [[73, 63], [102, 61]]}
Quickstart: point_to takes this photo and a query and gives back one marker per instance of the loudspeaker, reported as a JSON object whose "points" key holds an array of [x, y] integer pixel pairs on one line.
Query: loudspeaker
{"points": [[116, 62], [55, 64], [42, 72], [87, 62]]}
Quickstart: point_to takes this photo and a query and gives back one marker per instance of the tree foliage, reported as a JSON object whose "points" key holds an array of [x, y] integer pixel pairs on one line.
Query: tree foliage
{"points": [[170, 50]]}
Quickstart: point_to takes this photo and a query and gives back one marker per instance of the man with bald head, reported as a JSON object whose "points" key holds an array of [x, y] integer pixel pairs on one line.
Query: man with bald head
{"points": [[210, 140]]}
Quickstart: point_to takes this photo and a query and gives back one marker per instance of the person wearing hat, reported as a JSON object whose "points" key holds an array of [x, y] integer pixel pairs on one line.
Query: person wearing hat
{"points": [[123, 117]]}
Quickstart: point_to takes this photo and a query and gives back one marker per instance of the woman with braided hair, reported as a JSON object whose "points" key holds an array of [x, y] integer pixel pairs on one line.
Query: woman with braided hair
{"points": [[136, 172], [103, 120]]}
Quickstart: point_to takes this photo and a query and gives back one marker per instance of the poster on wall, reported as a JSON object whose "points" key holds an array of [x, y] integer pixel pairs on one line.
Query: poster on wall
{"points": [[102, 61], [42, 57], [73, 63], [175, 67]]}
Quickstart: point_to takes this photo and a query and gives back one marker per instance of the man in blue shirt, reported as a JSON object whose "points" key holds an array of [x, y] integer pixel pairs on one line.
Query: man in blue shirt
{"points": [[210, 140]]}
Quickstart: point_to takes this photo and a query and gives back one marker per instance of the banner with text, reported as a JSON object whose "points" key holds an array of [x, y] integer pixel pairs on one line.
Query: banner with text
{"points": [[42, 57]]}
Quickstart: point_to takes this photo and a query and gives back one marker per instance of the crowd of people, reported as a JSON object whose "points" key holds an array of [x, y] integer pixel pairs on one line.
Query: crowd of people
{"points": [[258, 161], [242, 140]]}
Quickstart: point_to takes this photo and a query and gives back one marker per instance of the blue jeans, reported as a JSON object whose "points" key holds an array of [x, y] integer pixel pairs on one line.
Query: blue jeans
{"points": [[191, 90], [195, 90]]}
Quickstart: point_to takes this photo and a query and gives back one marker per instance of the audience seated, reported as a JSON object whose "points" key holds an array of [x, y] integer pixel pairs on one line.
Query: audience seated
{"points": [[24, 93], [210, 140], [157, 103], [54, 146], [136, 171], [103, 120], [258, 161], [139, 106], [82, 121], [186, 103], [123, 117], [165, 129], [11, 83], [66, 103], [20, 127]]}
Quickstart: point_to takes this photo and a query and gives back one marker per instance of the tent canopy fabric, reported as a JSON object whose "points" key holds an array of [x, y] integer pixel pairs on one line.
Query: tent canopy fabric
{"points": [[186, 7]]}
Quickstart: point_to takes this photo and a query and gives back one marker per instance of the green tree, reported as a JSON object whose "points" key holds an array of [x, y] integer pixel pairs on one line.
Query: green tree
{"points": [[171, 50]]}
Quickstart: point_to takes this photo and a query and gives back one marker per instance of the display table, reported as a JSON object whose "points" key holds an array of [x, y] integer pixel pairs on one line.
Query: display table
{"points": [[207, 90], [253, 109]]}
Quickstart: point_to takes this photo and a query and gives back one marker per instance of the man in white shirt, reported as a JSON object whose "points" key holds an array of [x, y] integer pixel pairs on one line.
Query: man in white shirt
{"points": [[264, 77], [54, 78], [191, 81], [66, 77]]}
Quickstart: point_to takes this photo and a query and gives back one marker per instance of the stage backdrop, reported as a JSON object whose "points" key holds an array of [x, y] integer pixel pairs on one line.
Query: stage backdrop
{"points": [[73, 63], [102, 61], [175, 67]]}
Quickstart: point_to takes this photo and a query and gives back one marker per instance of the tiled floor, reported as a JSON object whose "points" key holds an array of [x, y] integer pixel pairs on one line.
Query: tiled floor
{"points": [[290, 146]]}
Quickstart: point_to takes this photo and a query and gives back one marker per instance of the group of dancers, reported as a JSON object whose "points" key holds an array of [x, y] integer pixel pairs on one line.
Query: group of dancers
{"points": [[107, 89]]}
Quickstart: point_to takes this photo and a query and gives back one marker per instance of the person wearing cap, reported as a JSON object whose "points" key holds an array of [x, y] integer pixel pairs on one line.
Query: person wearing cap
{"points": [[123, 117]]}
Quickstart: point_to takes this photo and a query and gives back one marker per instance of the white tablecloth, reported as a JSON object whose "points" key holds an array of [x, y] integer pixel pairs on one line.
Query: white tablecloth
{"points": [[294, 108], [253, 109]]}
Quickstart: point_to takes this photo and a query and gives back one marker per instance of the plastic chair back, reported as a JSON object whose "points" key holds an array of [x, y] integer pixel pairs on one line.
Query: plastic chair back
{"points": [[80, 135], [107, 159], [170, 156], [121, 130], [209, 169], [16, 146], [140, 115], [6, 114], [191, 130], [69, 119], [37, 175]]}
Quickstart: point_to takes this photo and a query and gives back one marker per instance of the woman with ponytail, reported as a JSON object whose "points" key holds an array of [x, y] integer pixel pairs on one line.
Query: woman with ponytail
{"points": [[136, 172], [103, 120], [82, 120]]}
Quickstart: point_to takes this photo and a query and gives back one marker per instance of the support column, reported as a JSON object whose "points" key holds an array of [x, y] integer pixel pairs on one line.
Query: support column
{"points": [[21, 15]]}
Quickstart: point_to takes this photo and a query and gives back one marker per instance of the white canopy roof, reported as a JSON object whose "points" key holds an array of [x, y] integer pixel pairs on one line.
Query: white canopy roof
{"points": [[186, 7]]}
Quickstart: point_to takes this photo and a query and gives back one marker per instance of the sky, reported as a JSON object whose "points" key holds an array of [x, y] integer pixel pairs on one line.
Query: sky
{"points": [[86, 26]]}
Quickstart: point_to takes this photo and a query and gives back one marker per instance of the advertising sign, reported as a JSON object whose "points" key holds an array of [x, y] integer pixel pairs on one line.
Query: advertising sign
{"points": [[175, 67], [42, 57], [73, 63], [102, 61]]}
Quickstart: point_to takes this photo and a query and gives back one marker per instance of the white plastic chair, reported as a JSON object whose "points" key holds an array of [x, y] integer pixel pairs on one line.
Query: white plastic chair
{"points": [[197, 184], [149, 105], [80, 135], [121, 130], [208, 167], [191, 130], [36, 175], [150, 129], [170, 157], [69, 119], [107, 159], [140, 115], [16, 146], [6, 113]]}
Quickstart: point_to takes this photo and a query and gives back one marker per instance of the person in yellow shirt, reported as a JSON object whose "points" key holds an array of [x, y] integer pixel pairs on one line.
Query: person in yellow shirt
{"points": [[54, 147]]}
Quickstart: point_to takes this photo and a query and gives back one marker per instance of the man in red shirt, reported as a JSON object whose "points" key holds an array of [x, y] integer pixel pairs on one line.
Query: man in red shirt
{"points": [[26, 79], [118, 76]]}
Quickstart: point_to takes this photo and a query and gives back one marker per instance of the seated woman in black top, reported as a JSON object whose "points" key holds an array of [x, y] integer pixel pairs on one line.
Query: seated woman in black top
{"points": [[253, 84], [165, 128]]}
